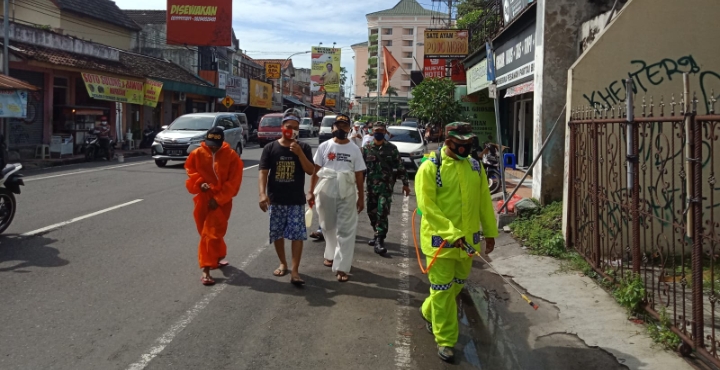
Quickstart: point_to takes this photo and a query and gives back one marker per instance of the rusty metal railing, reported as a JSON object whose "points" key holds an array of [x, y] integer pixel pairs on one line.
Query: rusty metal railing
{"points": [[644, 199]]}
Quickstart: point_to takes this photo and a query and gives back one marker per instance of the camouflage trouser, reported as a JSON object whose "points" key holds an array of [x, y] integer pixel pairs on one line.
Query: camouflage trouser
{"points": [[378, 209]]}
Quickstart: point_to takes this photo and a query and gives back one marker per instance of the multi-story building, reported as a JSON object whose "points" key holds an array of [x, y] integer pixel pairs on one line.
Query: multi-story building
{"points": [[400, 29]]}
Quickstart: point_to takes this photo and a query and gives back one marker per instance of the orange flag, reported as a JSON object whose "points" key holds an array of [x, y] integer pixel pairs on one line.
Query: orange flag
{"points": [[391, 65]]}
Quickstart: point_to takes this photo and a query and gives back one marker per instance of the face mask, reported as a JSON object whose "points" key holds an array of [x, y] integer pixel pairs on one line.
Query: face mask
{"points": [[379, 136], [461, 150], [290, 134], [340, 134]]}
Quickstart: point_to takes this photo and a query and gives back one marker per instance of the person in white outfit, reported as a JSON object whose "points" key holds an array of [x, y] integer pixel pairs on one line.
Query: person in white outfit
{"points": [[337, 188], [356, 135]]}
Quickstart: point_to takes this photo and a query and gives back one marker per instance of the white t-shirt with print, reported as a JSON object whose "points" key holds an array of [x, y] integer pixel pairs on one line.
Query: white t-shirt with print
{"points": [[339, 157]]}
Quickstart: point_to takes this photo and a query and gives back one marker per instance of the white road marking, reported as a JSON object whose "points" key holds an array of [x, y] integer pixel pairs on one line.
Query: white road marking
{"points": [[247, 168], [403, 359], [76, 219], [189, 316], [34, 178]]}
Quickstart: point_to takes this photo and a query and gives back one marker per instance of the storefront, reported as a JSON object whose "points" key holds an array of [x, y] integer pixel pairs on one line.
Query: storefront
{"points": [[515, 70], [476, 103]]}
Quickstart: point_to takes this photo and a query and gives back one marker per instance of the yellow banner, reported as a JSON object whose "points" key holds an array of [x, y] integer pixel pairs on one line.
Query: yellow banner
{"points": [[272, 71], [261, 95], [325, 75], [329, 102], [114, 89], [448, 44], [152, 90]]}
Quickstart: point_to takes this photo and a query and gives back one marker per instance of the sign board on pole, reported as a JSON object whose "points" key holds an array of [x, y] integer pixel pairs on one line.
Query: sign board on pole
{"points": [[228, 102], [448, 44], [325, 73], [492, 91], [199, 22], [329, 102], [272, 71], [434, 68]]}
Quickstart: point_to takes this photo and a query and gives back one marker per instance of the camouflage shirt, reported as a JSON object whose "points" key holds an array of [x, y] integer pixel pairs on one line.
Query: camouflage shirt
{"points": [[381, 161]]}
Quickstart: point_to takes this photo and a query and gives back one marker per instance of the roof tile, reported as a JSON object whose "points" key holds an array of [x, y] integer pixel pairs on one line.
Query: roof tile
{"points": [[104, 10], [407, 7], [142, 17], [7, 83], [68, 59]]}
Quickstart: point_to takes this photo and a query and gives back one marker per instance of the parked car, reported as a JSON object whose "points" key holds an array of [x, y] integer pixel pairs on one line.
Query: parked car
{"points": [[270, 128], [307, 129], [410, 144], [325, 133], [187, 132], [246, 128]]}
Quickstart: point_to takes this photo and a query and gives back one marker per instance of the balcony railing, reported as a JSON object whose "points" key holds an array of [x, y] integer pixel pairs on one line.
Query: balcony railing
{"points": [[487, 26]]}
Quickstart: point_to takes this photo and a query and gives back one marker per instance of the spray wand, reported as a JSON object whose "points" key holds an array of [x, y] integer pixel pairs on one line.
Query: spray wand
{"points": [[530, 302]]}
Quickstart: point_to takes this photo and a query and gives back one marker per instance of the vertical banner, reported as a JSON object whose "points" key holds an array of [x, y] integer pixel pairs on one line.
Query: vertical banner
{"points": [[325, 75], [152, 90]]}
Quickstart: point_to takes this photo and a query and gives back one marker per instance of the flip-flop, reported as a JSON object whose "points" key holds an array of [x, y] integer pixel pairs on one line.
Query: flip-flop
{"points": [[207, 281], [297, 282], [327, 263], [343, 278], [280, 272], [223, 263]]}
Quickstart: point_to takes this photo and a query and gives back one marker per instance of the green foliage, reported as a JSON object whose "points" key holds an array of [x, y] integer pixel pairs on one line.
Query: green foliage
{"points": [[630, 292], [469, 19], [434, 101], [370, 77], [542, 231], [343, 76], [465, 7], [391, 91], [660, 332]]}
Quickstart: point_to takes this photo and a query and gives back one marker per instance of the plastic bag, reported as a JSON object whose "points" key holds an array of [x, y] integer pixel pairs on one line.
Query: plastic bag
{"points": [[308, 217], [511, 203]]}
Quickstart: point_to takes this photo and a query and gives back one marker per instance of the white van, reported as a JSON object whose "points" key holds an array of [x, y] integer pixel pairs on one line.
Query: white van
{"points": [[326, 128]]}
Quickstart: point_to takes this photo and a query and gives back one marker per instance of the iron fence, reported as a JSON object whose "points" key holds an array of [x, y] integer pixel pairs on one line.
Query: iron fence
{"points": [[644, 199], [487, 26]]}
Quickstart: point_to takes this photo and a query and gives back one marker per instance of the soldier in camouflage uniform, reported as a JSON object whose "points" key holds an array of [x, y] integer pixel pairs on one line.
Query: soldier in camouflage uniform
{"points": [[381, 158]]}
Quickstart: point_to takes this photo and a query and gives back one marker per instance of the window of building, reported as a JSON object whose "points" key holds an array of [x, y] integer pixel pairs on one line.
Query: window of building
{"points": [[407, 43], [408, 31], [387, 31], [407, 54], [387, 42], [407, 66], [60, 91], [406, 77]]}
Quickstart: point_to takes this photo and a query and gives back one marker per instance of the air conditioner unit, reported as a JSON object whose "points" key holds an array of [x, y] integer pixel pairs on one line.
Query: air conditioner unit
{"points": [[182, 97]]}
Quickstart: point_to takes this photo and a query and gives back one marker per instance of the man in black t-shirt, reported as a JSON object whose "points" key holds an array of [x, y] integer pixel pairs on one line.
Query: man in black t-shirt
{"points": [[283, 166]]}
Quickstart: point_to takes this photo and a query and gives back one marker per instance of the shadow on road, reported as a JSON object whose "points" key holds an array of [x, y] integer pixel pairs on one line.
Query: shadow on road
{"points": [[27, 252]]}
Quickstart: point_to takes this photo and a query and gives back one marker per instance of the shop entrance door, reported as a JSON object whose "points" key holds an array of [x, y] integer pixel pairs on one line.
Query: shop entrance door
{"points": [[523, 131]]}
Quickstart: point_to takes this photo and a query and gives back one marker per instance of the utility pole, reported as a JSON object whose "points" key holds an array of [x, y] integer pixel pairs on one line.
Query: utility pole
{"points": [[450, 5], [6, 64]]}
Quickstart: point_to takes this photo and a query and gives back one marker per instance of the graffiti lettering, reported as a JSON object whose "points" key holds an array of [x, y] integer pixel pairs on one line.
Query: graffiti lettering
{"points": [[644, 75]]}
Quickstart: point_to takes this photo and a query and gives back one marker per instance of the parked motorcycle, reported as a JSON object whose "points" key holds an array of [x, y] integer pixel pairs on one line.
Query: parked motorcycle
{"points": [[93, 148], [10, 182], [148, 137], [490, 158]]}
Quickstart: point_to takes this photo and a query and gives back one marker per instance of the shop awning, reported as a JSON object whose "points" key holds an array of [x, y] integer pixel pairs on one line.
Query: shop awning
{"points": [[293, 100], [9, 83], [189, 88], [520, 89]]}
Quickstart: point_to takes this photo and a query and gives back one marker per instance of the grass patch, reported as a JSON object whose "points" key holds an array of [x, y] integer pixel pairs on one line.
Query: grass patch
{"points": [[660, 332], [541, 232]]}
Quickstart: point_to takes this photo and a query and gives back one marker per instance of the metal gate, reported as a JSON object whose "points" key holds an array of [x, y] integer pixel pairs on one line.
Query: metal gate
{"points": [[644, 199]]}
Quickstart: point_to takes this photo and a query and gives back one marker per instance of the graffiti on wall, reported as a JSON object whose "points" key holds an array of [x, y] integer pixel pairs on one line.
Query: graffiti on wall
{"points": [[648, 74]]}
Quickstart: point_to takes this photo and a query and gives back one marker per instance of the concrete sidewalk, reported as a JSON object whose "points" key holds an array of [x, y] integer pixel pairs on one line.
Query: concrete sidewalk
{"points": [[578, 325]]}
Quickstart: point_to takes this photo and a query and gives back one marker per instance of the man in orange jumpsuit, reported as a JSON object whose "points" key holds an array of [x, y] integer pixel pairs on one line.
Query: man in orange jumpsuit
{"points": [[215, 172]]}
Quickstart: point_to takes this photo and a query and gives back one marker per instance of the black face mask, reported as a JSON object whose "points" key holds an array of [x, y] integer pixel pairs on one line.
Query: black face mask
{"points": [[379, 136], [461, 150], [340, 134]]}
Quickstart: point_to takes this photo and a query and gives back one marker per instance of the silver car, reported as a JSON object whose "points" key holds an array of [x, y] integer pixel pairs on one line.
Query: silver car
{"points": [[187, 132]]}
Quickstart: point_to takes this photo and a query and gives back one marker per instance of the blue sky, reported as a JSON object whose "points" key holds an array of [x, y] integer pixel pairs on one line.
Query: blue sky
{"points": [[275, 29]]}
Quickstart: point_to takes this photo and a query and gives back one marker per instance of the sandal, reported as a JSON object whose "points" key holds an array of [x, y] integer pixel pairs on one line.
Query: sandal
{"points": [[221, 264], [328, 263], [297, 282], [343, 277], [280, 272], [207, 281]]}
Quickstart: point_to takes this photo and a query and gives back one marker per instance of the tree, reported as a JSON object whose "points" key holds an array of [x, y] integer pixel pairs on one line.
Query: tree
{"points": [[391, 91], [370, 79], [434, 101], [343, 76]]}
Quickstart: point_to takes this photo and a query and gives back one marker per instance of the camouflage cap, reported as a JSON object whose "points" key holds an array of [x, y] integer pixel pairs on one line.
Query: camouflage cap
{"points": [[459, 130], [341, 118], [379, 125]]}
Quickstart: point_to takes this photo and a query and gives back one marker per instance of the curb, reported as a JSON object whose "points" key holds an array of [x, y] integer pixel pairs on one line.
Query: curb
{"points": [[69, 161]]}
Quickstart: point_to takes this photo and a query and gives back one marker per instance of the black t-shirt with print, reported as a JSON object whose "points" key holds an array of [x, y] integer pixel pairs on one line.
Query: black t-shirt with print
{"points": [[286, 179]]}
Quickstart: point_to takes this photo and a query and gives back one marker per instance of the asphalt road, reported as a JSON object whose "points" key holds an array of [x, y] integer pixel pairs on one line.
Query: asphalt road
{"points": [[116, 285]]}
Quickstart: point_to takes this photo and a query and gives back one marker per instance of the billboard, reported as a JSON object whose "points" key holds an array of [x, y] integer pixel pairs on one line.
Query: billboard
{"points": [[237, 89], [114, 89], [325, 75], [448, 44], [199, 22], [261, 95], [477, 77], [272, 71], [434, 68]]}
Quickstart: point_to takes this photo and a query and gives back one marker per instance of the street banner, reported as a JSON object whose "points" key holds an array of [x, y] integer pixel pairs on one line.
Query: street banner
{"points": [[391, 65], [199, 22], [325, 75], [479, 110], [261, 94], [434, 68], [477, 78], [114, 89], [448, 44], [13, 103], [272, 71], [152, 91], [237, 89]]}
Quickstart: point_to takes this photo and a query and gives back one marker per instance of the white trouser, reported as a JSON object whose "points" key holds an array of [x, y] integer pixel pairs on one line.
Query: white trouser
{"points": [[338, 220]]}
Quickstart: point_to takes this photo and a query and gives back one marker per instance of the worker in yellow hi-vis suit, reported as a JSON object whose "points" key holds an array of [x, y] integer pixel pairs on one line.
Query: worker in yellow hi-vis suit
{"points": [[454, 200]]}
